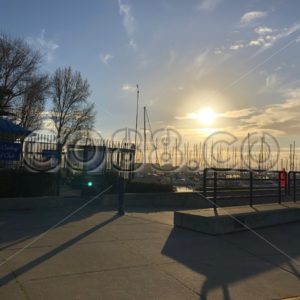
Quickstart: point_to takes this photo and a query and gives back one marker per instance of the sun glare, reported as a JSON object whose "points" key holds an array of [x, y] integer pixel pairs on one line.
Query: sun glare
{"points": [[206, 116]]}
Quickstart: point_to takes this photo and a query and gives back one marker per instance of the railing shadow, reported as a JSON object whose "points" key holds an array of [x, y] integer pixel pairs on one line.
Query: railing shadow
{"points": [[32, 264]]}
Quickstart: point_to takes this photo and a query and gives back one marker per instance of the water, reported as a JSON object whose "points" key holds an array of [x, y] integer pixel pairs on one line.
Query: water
{"points": [[183, 189]]}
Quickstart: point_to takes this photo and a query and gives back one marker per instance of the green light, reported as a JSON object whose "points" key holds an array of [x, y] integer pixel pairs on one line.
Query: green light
{"points": [[90, 183]]}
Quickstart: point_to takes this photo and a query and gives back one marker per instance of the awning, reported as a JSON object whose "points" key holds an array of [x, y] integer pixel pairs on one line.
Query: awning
{"points": [[9, 128]]}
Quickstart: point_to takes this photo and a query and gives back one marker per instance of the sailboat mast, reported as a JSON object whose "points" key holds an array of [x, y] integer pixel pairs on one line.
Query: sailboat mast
{"points": [[145, 140], [137, 113]]}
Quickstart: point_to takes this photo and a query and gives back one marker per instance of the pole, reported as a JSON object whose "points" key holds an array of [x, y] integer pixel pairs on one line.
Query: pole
{"points": [[249, 152], [251, 188], [137, 113], [145, 141], [121, 191]]}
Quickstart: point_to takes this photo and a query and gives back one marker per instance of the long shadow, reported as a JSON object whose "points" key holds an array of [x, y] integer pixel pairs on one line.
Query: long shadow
{"points": [[18, 226], [7, 278], [227, 259]]}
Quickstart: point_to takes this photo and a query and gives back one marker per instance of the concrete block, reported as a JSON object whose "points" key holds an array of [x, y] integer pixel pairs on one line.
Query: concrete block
{"points": [[238, 218]]}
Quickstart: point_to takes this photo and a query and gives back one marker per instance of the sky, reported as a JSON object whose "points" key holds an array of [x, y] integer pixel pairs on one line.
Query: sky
{"points": [[202, 65]]}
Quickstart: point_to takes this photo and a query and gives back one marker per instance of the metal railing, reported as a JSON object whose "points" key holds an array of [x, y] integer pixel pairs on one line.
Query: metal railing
{"points": [[234, 184], [293, 185]]}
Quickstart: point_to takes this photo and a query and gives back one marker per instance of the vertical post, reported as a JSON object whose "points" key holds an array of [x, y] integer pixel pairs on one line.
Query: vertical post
{"points": [[279, 188], [59, 150], [204, 182], [137, 113], [294, 184], [289, 182], [121, 190], [145, 141], [251, 188], [215, 189]]}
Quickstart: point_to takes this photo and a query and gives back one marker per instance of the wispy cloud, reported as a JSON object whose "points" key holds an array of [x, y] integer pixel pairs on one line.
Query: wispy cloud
{"points": [[277, 119], [251, 16], [262, 30], [105, 58], [241, 113], [208, 4], [133, 44], [269, 39], [237, 45], [266, 37], [201, 64], [128, 18], [129, 22], [46, 46], [128, 88]]}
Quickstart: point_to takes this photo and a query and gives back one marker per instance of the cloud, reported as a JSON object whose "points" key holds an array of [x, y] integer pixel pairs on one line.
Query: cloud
{"points": [[133, 44], [268, 40], [266, 37], [251, 16], [272, 81], [262, 30], [129, 23], [46, 46], [105, 58], [201, 64], [128, 88], [219, 51], [208, 4], [236, 114], [281, 118], [237, 45], [128, 19]]}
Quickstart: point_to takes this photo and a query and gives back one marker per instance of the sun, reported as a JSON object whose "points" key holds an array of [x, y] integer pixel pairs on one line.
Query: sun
{"points": [[206, 116]]}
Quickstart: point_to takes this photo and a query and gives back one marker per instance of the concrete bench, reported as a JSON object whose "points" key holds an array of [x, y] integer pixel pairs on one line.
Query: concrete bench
{"points": [[237, 218]]}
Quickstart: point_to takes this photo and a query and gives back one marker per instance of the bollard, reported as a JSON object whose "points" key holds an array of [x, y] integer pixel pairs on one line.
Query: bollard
{"points": [[121, 191]]}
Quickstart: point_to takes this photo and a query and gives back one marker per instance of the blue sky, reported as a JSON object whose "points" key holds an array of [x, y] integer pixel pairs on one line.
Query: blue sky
{"points": [[238, 58]]}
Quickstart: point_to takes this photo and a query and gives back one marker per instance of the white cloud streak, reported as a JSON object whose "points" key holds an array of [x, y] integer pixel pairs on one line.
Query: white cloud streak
{"points": [[46, 46], [128, 18], [105, 58], [262, 30], [128, 88], [129, 23], [251, 16]]}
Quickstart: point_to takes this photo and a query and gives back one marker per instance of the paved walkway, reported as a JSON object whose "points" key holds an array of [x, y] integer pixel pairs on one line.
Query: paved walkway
{"points": [[96, 255]]}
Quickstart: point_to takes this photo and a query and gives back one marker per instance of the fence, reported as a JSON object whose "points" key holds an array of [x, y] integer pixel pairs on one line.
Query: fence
{"points": [[44, 153], [222, 184], [39, 164], [293, 184]]}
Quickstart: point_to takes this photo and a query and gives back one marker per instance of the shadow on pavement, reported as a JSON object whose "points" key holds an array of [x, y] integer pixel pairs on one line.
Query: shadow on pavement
{"points": [[227, 259], [7, 278]]}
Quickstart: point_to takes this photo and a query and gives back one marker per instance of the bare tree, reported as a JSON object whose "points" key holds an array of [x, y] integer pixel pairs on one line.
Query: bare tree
{"points": [[22, 88], [71, 110], [29, 107]]}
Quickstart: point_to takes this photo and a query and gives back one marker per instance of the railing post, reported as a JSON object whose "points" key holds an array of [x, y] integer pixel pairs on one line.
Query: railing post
{"points": [[295, 187], [121, 191], [251, 188], [215, 189], [204, 182], [279, 189], [289, 182]]}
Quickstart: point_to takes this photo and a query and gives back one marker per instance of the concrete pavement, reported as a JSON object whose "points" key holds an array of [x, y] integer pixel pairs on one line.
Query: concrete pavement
{"points": [[97, 255]]}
